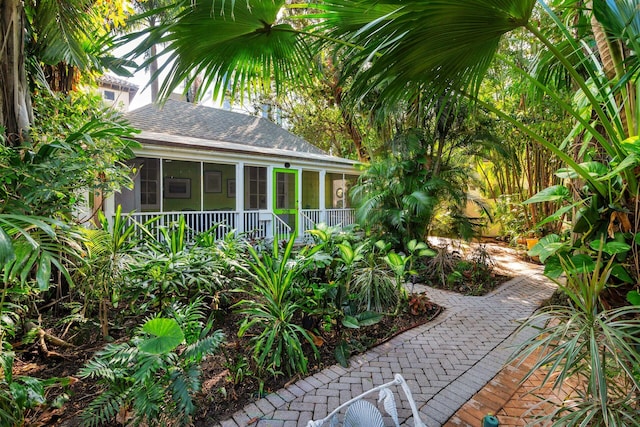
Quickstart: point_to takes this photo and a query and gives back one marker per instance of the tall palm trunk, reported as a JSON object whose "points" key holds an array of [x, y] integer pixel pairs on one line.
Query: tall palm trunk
{"points": [[16, 112], [612, 58], [153, 70]]}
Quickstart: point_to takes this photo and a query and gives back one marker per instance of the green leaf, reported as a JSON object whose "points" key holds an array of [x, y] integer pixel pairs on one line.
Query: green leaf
{"points": [[427, 252], [394, 259], [44, 271], [350, 322], [550, 194], [342, 353], [595, 169], [553, 268], [585, 219], [618, 271], [557, 215], [627, 163], [167, 336], [240, 47], [633, 297], [582, 263], [632, 145], [610, 248], [369, 318], [546, 247], [382, 245], [6, 248]]}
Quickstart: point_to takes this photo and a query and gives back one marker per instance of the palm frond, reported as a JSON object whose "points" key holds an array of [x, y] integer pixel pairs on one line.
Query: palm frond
{"points": [[240, 47], [451, 48]]}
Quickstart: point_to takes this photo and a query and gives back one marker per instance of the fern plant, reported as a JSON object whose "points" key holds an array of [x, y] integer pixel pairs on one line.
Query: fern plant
{"points": [[152, 378]]}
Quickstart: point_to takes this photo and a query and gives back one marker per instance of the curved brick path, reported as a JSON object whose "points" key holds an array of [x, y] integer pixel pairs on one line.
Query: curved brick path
{"points": [[445, 362]]}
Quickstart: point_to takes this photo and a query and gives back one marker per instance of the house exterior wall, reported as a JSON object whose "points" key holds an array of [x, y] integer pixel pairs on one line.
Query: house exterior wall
{"points": [[118, 98]]}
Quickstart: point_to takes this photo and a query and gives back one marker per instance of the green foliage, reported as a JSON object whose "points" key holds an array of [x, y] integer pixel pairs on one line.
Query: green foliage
{"points": [[30, 247], [398, 197], [596, 347], [241, 43], [172, 269], [78, 148], [108, 256], [276, 303], [18, 394], [154, 377]]}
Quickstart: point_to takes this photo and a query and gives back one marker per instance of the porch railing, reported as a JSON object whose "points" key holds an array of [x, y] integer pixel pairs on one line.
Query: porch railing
{"points": [[308, 220], [196, 221], [280, 228], [254, 224], [342, 217]]}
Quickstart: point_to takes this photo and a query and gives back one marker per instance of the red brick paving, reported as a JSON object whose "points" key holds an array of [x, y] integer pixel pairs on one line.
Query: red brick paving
{"points": [[514, 404]]}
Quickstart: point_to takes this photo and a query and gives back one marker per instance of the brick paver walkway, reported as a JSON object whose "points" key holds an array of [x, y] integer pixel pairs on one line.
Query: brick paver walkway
{"points": [[445, 362]]}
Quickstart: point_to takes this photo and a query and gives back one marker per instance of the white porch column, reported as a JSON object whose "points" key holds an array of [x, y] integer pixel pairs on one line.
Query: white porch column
{"points": [[201, 186], [161, 195], [270, 189], [240, 228], [322, 190], [299, 221]]}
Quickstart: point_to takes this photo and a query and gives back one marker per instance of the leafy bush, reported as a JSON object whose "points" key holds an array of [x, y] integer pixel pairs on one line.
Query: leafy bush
{"points": [[275, 302], [18, 394], [171, 269], [397, 198], [153, 378], [595, 345], [77, 147]]}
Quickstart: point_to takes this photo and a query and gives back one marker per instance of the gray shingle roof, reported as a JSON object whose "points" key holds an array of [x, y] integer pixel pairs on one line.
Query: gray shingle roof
{"points": [[197, 121]]}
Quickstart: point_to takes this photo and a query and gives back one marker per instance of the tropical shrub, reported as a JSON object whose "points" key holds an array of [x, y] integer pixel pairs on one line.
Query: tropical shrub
{"points": [[274, 306], [19, 394], [77, 148], [107, 257], [397, 197], [153, 378], [171, 269], [595, 347], [30, 247]]}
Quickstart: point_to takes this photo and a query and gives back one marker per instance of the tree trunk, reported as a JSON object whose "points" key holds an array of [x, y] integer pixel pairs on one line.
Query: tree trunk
{"points": [[153, 69], [612, 58], [16, 112], [351, 127]]}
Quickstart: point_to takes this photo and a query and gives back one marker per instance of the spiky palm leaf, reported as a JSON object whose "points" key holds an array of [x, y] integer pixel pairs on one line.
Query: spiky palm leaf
{"points": [[242, 47], [434, 43]]}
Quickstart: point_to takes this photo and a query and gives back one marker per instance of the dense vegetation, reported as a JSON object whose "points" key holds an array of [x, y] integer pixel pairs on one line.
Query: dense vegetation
{"points": [[538, 98]]}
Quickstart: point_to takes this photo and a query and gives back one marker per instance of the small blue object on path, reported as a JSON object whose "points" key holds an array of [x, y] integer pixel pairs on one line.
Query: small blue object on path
{"points": [[490, 421]]}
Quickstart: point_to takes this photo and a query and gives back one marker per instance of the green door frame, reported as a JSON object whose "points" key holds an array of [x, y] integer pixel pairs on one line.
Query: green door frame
{"points": [[290, 211]]}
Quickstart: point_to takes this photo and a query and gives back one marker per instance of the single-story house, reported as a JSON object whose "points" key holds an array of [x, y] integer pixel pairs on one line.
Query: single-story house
{"points": [[215, 166]]}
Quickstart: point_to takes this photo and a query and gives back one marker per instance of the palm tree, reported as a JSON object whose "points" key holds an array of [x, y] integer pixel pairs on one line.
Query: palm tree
{"points": [[153, 13]]}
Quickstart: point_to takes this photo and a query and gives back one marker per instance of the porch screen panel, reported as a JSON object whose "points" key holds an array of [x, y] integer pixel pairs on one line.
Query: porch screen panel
{"points": [[219, 187], [145, 195], [181, 186], [334, 190], [149, 185], [255, 190], [129, 199], [310, 190]]}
